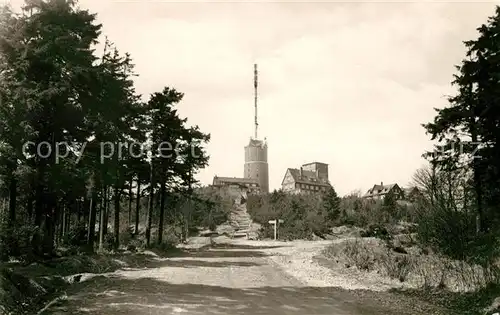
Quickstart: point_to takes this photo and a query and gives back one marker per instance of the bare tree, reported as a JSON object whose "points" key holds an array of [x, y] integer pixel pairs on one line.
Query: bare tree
{"points": [[450, 186]]}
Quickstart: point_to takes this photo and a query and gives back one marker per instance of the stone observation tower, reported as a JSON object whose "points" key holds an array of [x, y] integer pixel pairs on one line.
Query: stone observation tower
{"points": [[256, 166]]}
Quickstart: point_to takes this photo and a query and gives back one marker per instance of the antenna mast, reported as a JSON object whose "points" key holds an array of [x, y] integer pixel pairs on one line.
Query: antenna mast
{"points": [[255, 96]]}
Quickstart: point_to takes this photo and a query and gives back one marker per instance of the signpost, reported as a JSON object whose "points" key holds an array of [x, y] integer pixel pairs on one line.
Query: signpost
{"points": [[275, 223]]}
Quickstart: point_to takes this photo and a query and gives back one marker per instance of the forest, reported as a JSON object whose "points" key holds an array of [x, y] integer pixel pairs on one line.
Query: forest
{"points": [[85, 161]]}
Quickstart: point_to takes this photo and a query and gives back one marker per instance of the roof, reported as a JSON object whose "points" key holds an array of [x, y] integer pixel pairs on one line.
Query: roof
{"points": [[234, 180], [308, 177], [256, 143], [409, 190], [377, 190], [314, 163]]}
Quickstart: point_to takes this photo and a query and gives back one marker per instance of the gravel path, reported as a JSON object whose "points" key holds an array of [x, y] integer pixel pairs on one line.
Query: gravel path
{"points": [[300, 259], [239, 278]]}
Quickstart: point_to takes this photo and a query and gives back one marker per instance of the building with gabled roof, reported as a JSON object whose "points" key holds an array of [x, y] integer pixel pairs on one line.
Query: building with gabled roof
{"points": [[380, 191], [309, 178], [248, 184]]}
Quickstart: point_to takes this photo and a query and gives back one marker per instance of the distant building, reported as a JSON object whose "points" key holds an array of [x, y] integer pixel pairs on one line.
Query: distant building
{"points": [[309, 178], [256, 169], [255, 173], [246, 184], [380, 191], [412, 193], [256, 166]]}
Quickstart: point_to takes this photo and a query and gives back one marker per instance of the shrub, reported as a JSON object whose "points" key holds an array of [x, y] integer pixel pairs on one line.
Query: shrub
{"points": [[359, 254], [303, 215], [207, 208], [126, 235], [373, 255], [453, 233], [16, 241], [397, 266], [77, 236], [109, 241], [377, 231]]}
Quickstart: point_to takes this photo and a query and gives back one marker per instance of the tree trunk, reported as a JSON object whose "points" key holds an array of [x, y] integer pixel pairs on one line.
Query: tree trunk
{"points": [[11, 220], [49, 223], [129, 222], [102, 220], [190, 181], [63, 223], [433, 185], [78, 210], [92, 217], [150, 205], [12, 200], [68, 223], [91, 225], [108, 207], [39, 212], [86, 206], [117, 218], [39, 205], [3, 210], [57, 223], [137, 206], [29, 209], [163, 191], [186, 227], [481, 225]]}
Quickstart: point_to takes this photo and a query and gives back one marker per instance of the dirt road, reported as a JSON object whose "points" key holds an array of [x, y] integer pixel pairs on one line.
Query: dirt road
{"points": [[228, 279]]}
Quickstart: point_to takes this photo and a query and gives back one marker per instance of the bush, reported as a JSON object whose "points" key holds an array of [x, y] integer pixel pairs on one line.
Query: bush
{"points": [[8, 242], [303, 215], [16, 241], [308, 214], [166, 246], [372, 255], [397, 266], [136, 243], [213, 209], [453, 233], [109, 242], [77, 236], [360, 255], [126, 235], [377, 231]]}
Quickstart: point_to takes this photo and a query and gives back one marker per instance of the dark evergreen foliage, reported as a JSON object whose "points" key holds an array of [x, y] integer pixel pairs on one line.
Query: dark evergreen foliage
{"points": [[56, 88]]}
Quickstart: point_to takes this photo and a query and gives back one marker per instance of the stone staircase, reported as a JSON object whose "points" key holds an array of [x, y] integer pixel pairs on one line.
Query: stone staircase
{"points": [[240, 223], [240, 220]]}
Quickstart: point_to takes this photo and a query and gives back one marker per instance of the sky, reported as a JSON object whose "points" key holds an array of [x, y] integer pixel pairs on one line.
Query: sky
{"points": [[344, 83]]}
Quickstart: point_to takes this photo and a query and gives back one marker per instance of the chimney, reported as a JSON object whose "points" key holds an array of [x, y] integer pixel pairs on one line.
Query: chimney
{"points": [[381, 183], [300, 172]]}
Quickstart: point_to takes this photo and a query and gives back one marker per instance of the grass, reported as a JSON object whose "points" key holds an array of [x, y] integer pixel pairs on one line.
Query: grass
{"points": [[472, 303], [25, 288], [369, 255]]}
